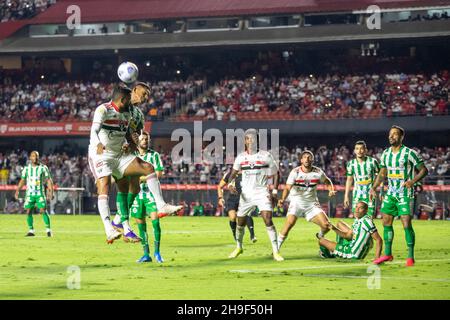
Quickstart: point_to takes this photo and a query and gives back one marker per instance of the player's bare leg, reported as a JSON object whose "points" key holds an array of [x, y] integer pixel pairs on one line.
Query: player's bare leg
{"points": [[103, 185], [288, 225], [323, 222], [272, 232], [139, 167], [410, 237], [388, 235]]}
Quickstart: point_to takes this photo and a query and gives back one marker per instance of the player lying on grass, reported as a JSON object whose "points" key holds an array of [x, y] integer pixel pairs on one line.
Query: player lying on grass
{"points": [[353, 242], [301, 187], [35, 176], [108, 157], [232, 204]]}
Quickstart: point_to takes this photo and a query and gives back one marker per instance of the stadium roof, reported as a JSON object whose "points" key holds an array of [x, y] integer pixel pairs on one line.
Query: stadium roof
{"points": [[122, 10]]}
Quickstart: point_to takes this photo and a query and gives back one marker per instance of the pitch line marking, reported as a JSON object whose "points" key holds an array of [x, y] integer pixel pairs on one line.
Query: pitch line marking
{"points": [[345, 265], [367, 277]]}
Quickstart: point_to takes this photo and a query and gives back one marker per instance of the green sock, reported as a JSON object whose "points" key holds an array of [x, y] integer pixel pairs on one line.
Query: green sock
{"points": [[157, 233], [46, 218], [130, 198], [143, 234], [122, 206], [388, 236], [30, 221], [410, 237]]}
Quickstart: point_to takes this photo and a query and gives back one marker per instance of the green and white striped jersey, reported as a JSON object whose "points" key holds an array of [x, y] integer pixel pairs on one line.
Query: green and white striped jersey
{"points": [[35, 177], [154, 158], [137, 119], [400, 168], [364, 174], [362, 230]]}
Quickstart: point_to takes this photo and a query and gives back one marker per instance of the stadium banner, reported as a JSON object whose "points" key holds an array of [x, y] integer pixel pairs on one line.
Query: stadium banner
{"points": [[49, 129], [212, 187]]}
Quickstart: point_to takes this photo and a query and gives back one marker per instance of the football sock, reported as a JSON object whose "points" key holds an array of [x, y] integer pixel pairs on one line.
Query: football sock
{"points": [[388, 235], [156, 233], [155, 188], [233, 228], [250, 225], [410, 237], [126, 227], [272, 232], [30, 221], [130, 199], [103, 209], [117, 218], [46, 219], [144, 237], [280, 240], [122, 205], [240, 231]]}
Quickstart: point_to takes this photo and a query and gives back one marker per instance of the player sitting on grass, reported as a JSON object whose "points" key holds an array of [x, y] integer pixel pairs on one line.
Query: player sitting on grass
{"points": [[34, 176], [354, 242]]}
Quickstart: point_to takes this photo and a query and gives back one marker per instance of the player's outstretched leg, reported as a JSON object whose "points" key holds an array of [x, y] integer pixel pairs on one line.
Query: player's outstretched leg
{"points": [[388, 236], [30, 223], [251, 228]]}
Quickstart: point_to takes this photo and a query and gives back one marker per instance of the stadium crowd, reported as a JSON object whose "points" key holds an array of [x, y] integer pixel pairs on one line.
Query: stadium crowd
{"points": [[70, 168], [324, 97], [76, 101], [22, 9]]}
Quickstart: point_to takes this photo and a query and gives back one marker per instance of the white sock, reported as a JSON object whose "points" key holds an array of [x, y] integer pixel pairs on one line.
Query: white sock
{"points": [[48, 230], [280, 240], [155, 189], [31, 230], [126, 226], [103, 209], [272, 232], [117, 218], [321, 234], [240, 231]]}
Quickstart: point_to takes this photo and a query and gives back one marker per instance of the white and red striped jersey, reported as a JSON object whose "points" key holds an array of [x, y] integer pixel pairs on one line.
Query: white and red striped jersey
{"points": [[256, 169], [304, 184], [112, 127]]}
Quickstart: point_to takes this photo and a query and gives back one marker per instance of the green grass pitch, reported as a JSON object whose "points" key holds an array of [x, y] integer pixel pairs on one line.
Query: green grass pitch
{"points": [[195, 250]]}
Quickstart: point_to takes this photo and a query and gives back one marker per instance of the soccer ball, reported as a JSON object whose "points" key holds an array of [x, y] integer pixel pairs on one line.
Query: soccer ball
{"points": [[128, 72]]}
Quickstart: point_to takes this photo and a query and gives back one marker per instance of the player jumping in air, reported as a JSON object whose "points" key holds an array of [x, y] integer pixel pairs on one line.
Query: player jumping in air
{"points": [[128, 187], [35, 176], [398, 163], [362, 170], [257, 167], [303, 181], [108, 157], [353, 242], [232, 204], [144, 205]]}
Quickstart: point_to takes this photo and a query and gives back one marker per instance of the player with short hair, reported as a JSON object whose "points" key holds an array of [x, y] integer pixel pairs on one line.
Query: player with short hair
{"points": [[301, 187], [128, 187], [353, 242], [362, 170], [398, 163], [35, 175], [144, 205], [232, 204], [257, 167], [109, 156]]}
